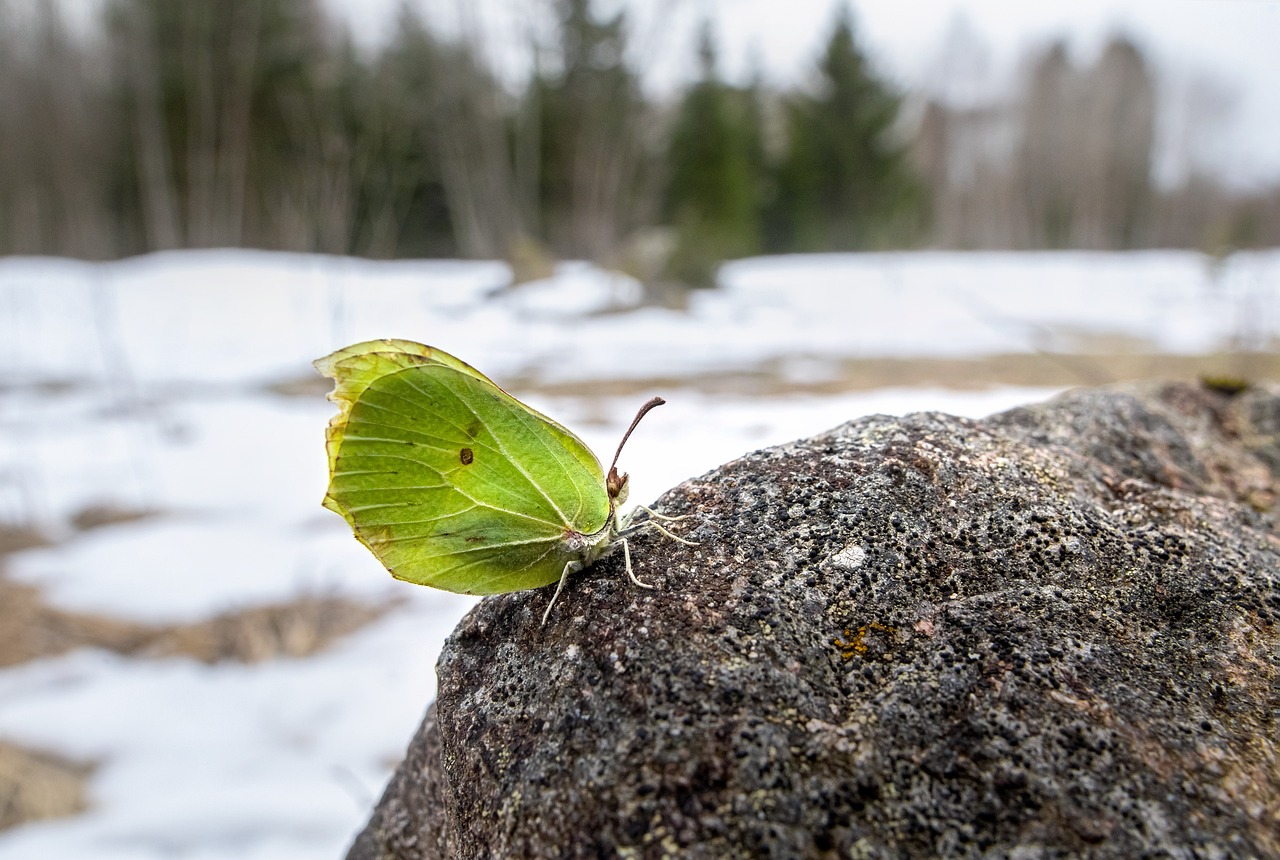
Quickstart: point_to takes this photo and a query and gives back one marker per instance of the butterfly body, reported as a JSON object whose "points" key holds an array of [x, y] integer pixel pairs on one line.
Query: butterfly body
{"points": [[453, 483]]}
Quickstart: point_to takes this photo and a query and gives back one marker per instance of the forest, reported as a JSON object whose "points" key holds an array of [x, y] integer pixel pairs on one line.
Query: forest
{"points": [[261, 124]]}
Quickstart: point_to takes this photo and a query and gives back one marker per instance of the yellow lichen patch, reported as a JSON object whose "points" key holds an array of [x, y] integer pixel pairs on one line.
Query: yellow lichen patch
{"points": [[856, 644]]}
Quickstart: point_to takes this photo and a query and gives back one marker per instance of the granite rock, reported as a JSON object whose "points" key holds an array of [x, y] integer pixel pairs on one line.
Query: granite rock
{"points": [[1052, 632]]}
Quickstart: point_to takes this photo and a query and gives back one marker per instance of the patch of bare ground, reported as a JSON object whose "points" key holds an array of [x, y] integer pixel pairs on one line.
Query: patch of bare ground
{"points": [[817, 375], [823, 377], [31, 629], [307, 385], [298, 628], [108, 514], [16, 537], [35, 785]]}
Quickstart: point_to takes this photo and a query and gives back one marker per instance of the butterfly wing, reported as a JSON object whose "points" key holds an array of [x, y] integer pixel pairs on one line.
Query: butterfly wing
{"points": [[447, 479]]}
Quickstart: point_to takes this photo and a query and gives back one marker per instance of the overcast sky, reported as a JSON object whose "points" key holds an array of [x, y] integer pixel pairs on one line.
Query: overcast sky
{"points": [[1226, 51]]}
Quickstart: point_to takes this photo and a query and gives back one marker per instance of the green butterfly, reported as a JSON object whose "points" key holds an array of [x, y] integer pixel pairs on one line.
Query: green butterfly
{"points": [[453, 483]]}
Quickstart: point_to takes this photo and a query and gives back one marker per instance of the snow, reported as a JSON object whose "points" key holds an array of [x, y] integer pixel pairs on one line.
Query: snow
{"points": [[280, 759], [144, 383], [219, 317]]}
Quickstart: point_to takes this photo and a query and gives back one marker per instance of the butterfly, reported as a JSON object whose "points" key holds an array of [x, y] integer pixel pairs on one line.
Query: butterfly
{"points": [[453, 483]]}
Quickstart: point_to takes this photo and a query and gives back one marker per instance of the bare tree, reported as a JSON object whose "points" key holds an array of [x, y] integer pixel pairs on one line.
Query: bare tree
{"points": [[592, 135], [1113, 142], [157, 189], [1049, 117], [52, 131], [966, 142]]}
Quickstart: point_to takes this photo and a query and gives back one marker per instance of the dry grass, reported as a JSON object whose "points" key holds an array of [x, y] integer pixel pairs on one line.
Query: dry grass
{"points": [[31, 629], [298, 628], [1047, 370], [107, 514], [1111, 362], [309, 385], [15, 538], [36, 785]]}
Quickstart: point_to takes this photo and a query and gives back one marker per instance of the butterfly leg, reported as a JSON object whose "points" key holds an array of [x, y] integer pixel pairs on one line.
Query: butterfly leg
{"points": [[626, 556], [653, 525], [666, 519], [569, 568]]}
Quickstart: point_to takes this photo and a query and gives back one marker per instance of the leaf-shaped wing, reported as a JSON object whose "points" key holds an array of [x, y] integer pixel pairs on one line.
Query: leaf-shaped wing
{"points": [[449, 480]]}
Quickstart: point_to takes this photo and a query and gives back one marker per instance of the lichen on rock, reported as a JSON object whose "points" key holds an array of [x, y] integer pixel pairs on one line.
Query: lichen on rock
{"points": [[1052, 632]]}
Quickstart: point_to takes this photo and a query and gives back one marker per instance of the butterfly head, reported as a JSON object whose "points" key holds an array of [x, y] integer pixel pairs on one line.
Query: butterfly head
{"points": [[618, 487]]}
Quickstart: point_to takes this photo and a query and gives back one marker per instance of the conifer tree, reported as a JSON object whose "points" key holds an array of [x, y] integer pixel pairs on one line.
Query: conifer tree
{"points": [[590, 136], [405, 206], [227, 103], [845, 183], [713, 195]]}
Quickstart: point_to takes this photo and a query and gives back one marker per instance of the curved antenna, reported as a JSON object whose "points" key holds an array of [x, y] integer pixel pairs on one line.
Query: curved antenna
{"points": [[644, 410]]}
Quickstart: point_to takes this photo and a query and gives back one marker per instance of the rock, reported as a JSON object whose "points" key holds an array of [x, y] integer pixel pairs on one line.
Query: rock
{"points": [[1052, 632]]}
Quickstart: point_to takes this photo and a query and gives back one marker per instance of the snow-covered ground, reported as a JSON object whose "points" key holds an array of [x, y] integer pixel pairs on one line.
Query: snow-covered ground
{"points": [[144, 384]]}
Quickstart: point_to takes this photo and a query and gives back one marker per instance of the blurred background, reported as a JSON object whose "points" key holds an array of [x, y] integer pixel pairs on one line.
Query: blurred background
{"points": [[663, 135], [778, 216]]}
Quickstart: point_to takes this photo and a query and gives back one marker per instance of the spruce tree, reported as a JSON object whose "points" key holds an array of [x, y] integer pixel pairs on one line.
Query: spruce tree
{"points": [[845, 184], [409, 207], [713, 194]]}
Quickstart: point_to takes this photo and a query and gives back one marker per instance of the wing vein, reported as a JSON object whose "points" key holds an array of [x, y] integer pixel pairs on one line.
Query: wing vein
{"points": [[446, 448], [524, 416], [502, 448]]}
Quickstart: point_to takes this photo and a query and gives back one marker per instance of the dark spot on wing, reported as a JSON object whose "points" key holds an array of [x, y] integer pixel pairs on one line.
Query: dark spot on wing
{"points": [[473, 429], [466, 456], [477, 539]]}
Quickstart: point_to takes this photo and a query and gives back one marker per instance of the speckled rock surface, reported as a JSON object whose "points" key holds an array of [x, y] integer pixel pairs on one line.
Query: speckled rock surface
{"points": [[1050, 633]]}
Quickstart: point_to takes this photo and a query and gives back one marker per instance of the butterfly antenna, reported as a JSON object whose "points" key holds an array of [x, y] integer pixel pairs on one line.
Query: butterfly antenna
{"points": [[644, 410]]}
